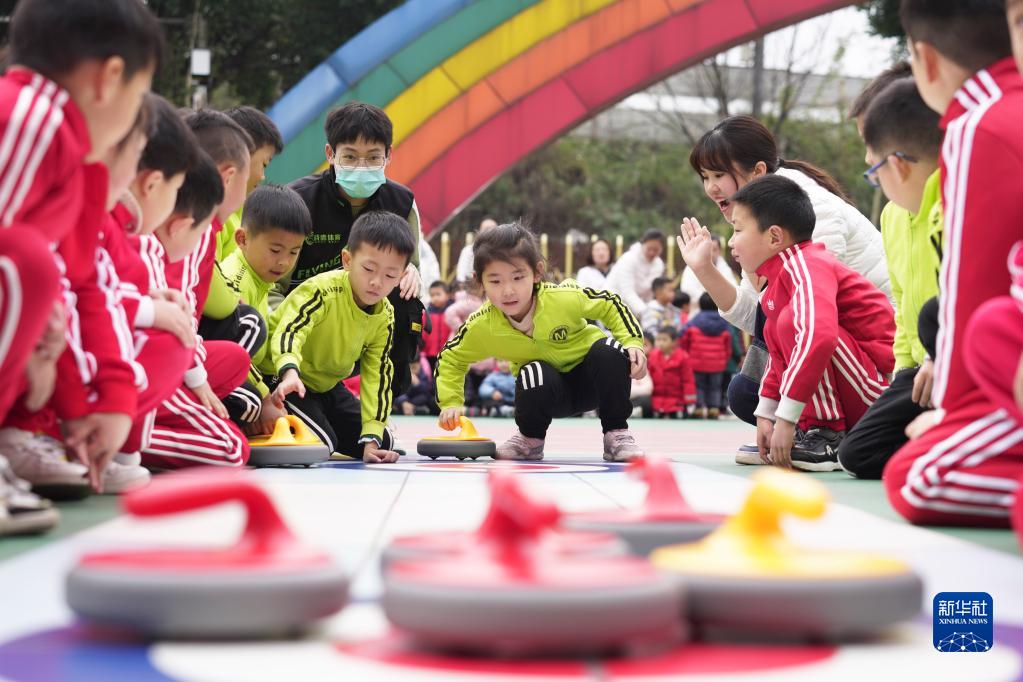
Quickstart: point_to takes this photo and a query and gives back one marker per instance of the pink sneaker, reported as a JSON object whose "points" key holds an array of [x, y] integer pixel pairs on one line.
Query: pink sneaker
{"points": [[620, 446], [521, 448]]}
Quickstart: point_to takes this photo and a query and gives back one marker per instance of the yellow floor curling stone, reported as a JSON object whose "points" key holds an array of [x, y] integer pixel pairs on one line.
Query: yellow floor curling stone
{"points": [[467, 443], [291, 443], [748, 578]]}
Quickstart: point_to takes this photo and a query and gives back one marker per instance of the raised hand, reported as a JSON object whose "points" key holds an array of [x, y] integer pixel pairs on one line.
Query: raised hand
{"points": [[695, 243]]}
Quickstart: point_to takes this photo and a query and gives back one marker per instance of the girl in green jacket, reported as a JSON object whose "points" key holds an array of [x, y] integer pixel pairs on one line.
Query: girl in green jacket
{"points": [[564, 365]]}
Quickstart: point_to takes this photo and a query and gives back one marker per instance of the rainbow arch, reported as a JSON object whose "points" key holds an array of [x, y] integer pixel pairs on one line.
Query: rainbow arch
{"points": [[472, 86]]}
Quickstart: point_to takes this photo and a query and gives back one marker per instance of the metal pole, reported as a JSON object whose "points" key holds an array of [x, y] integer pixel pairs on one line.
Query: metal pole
{"points": [[445, 255], [568, 255], [619, 246]]}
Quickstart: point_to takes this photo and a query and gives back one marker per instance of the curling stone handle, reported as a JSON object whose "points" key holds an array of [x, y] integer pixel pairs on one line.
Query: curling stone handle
{"points": [[663, 495], [514, 513], [177, 493], [467, 428], [289, 428], [295, 428], [775, 493]]}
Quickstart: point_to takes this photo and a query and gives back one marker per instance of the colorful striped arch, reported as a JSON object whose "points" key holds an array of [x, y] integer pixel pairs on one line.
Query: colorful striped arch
{"points": [[472, 86]]}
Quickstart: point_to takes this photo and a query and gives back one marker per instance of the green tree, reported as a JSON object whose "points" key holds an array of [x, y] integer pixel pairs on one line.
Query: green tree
{"points": [[260, 48], [623, 187], [883, 16]]}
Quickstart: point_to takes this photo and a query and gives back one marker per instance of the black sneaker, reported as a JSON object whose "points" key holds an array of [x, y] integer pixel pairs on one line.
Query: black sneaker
{"points": [[816, 449]]}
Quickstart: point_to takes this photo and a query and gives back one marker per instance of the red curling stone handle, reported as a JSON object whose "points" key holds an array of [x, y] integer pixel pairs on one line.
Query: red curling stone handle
{"points": [[663, 494], [265, 531]]}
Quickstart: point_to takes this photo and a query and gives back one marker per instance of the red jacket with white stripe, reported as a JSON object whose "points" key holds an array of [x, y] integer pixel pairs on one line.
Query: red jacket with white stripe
{"points": [[981, 166], [99, 361], [1016, 272], [44, 184], [192, 276], [131, 270], [42, 152], [674, 384], [809, 296], [153, 256]]}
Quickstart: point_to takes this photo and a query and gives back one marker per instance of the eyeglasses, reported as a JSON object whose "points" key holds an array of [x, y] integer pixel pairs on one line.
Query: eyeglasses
{"points": [[870, 175], [351, 161]]}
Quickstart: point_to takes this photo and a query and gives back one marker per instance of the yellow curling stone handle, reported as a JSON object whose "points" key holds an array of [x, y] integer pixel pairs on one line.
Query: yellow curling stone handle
{"points": [[753, 544], [288, 430], [467, 431]]}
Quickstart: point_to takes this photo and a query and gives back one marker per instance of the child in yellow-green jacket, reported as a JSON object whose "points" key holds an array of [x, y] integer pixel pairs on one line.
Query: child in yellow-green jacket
{"points": [[330, 322], [564, 364], [267, 245]]}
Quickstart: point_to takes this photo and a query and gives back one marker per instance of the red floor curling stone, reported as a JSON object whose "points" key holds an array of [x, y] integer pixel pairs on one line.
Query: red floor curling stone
{"points": [[496, 525], [664, 518], [467, 443], [267, 583], [291, 443], [747, 578], [514, 596]]}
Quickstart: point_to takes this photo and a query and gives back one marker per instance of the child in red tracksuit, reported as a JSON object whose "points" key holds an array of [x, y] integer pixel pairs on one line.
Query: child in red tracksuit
{"points": [[993, 346], [964, 470], [228, 147], [709, 343], [124, 274], [829, 331], [434, 340], [144, 189], [187, 431], [62, 108], [672, 375]]}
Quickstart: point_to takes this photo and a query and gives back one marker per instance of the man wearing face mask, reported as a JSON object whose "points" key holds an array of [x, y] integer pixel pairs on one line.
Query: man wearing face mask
{"points": [[358, 149]]}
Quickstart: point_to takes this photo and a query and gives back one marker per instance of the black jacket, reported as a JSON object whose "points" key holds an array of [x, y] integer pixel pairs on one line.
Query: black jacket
{"points": [[332, 223], [332, 220]]}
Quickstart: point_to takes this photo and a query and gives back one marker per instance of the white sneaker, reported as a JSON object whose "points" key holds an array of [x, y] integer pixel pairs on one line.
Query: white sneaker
{"points": [[748, 453], [42, 461], [21, 510], [125, 472], [396, 445]]}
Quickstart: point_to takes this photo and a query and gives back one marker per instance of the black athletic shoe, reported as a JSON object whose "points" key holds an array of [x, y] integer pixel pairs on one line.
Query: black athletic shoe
{"points": [[817, 449]]}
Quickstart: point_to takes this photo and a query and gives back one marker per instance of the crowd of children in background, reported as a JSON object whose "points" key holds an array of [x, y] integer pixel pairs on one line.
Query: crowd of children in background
{"points": [[185, 306], [691, 358]]}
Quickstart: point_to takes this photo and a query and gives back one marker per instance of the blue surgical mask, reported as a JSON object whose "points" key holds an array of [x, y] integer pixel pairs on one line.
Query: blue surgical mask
{"points": [[359, 183]]}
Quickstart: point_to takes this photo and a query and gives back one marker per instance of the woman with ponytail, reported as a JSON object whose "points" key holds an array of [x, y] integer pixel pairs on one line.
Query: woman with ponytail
{"points": [[735, 152]]}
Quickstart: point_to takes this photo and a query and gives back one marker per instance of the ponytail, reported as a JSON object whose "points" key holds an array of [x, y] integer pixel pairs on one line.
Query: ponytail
{"points": [[742, 142]]}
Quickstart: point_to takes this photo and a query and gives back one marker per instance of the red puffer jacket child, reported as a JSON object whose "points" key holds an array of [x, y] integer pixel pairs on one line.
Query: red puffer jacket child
{"points": [[440, 332], [674, 385], [707, 340]]}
